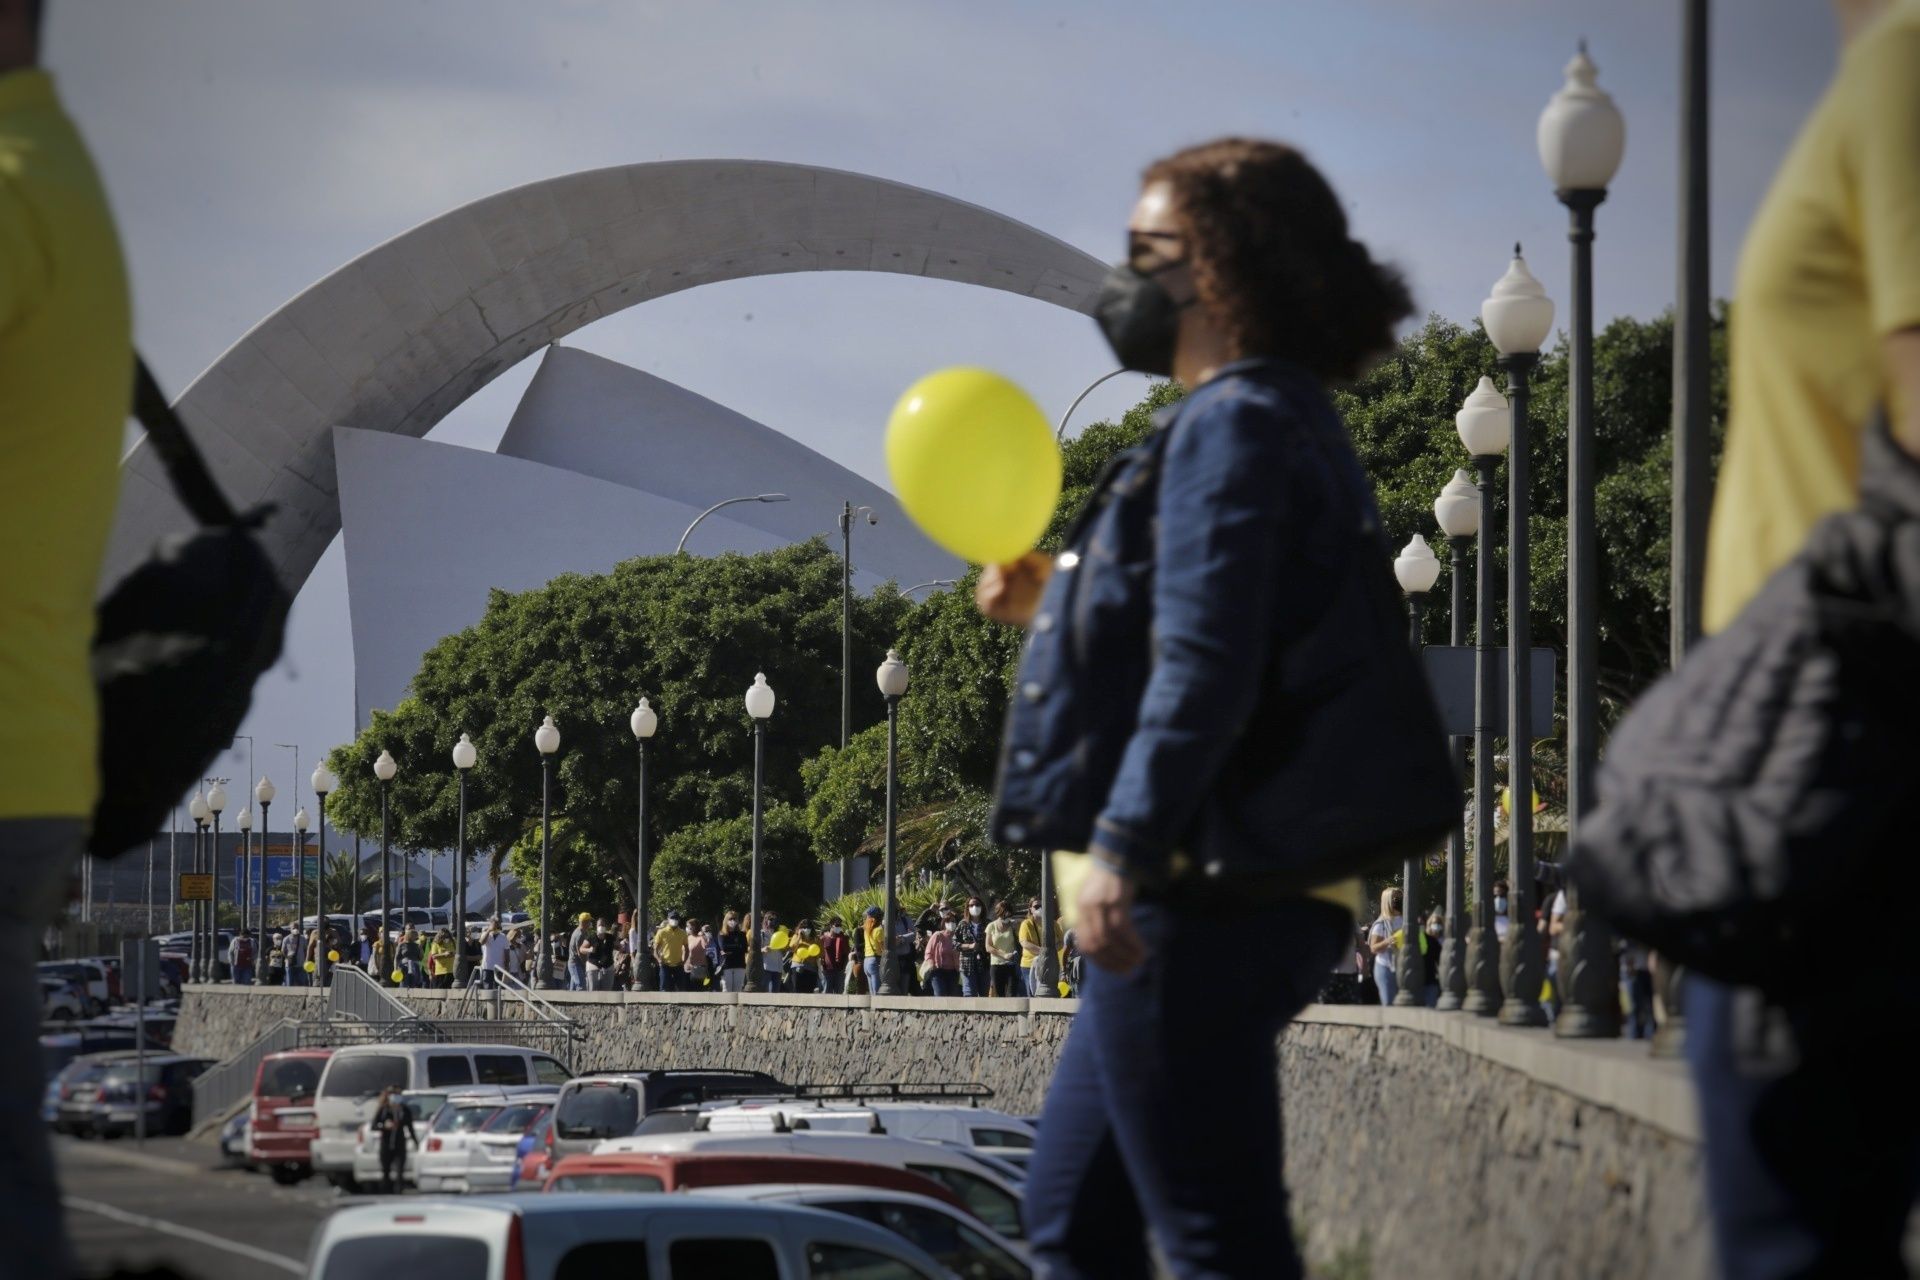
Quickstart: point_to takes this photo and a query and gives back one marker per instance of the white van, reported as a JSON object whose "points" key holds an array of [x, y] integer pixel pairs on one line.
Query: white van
{"points": [[356, 1075], [988, 1195], [540, 1237]]}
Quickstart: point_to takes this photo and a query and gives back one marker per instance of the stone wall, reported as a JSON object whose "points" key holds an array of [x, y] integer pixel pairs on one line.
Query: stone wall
{"points": [[1416, 1142]]}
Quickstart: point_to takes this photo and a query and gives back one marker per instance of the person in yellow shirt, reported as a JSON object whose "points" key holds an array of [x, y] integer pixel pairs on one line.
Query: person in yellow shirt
{"points": [[1808, 1173], [872, 947], [1030, 947], [670, 953], [66, 382]]}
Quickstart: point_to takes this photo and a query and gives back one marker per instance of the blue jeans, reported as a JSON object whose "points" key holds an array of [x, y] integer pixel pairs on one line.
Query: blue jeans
{"points": [[871, 967], [945, 982], [1385, 977], [1123, 1148], [576, 975], [1811, 1169]]}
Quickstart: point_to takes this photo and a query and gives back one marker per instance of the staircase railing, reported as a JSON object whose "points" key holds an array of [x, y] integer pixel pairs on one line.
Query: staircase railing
{"points": [[220, 1087], [353, 994]]}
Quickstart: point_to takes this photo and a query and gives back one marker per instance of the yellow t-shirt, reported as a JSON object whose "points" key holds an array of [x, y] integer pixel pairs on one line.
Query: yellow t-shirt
{"points": [[670, 945], [1029, 933], [66, 381], [1831, 267]]}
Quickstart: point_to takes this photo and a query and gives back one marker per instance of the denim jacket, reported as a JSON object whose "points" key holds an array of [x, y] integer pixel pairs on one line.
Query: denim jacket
{"points": [[1191, 662]]}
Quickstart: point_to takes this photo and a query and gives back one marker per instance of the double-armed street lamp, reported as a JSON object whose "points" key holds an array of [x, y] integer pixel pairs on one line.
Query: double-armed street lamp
{"points": [[324, 783], [1457, 511], [263, 792], [760, 703], [1581, 137], [546, 740], [644, 722], [465, 756], [1518, 316], [384, 769], [892, 678], [1416, 568], [1485, 426]]}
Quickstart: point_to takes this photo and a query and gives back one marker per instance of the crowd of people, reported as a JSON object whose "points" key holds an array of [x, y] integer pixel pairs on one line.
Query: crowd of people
{"points": [[954, 948]]}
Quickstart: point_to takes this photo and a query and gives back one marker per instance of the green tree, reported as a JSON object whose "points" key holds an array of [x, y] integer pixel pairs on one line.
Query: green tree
{"points": [[688, 633]]}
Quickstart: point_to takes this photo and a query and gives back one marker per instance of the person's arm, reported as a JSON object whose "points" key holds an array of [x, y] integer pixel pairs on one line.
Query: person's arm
{"points": [[1217, 554], [1379, 940], [1884, 157]]}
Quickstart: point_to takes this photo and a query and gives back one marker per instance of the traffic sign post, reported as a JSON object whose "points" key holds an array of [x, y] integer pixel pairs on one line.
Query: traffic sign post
{"points": [[196, 886]]}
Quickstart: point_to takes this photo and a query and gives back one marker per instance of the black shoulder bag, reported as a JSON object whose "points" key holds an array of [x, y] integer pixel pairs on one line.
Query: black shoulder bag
{"points": [[179, 643]]}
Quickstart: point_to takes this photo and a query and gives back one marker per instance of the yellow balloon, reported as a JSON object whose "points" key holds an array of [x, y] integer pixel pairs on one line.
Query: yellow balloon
{"points": [[311, 966], [974, 463], [1065, 990], [778, 942], [333, 957], [398, 977]]}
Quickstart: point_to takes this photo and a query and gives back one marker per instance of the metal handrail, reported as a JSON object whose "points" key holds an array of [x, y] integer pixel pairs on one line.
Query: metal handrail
{"points": [[353, 994], [542, 1010], [219, 1087]]}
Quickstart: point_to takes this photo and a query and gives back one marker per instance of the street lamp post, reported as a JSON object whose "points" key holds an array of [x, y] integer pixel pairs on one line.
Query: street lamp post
{"points": [[848, 514], [922, 586], [644, 722], [1457, 510], [384, 769], [216, 802], [1581, 137], [1518, 315], [300, 824], [323, 783], [1485, 425], [244, 882], [892, 678], [263, 792], [1416, 568], [546, 740], [760, 702], [681, 546], [196, 915], [465, 756]]}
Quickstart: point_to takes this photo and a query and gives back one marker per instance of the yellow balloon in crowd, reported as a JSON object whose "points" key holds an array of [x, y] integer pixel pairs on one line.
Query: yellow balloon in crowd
{"points": [[398, 977], [1506, 801], [779, 940], [974, 463], [311, 966], [333, 957]]}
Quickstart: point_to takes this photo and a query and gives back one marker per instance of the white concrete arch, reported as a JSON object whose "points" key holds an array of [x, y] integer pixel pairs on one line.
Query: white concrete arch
{"points": [[398, 337]]}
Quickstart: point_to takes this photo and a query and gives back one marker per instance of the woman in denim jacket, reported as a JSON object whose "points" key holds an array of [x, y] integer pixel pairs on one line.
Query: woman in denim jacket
{"points": [[1225, 575]]}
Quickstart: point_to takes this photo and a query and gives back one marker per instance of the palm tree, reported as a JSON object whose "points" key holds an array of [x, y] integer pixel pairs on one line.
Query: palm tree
{"points": [[337, 878]]}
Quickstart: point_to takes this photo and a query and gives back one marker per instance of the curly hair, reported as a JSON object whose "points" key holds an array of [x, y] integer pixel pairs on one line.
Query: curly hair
{"points": [[1271, 259]]}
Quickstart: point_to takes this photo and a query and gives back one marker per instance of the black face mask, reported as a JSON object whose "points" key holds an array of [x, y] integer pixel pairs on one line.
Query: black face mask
{"points": [[1139, 318]]}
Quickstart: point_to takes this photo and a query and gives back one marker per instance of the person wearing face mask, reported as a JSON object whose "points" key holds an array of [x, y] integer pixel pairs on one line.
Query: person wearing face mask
{"points": [[1500, 921], [834, 951], [732, 944], [972, 937], [943, 957], [1220, 626], [1003, 950], [1030, 944]]}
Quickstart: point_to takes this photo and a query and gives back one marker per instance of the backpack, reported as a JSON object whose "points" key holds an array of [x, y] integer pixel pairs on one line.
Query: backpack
{"points": [[243, 951], [1752, 796]]}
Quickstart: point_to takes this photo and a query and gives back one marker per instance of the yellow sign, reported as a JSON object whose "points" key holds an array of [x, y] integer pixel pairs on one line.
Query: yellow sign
{"points": [[196, 887]]}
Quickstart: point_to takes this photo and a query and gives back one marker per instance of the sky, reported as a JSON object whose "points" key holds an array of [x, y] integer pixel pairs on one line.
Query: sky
{"points": [[252, 146]]}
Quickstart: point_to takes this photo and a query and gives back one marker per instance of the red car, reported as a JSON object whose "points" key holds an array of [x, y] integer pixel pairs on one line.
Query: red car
{"points": [[692, 1170], [535, 1153], [280, 1122]]}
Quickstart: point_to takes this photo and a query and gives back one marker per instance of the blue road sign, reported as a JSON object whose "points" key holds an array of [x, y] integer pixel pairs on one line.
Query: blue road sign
{"points": [[279, 870]]}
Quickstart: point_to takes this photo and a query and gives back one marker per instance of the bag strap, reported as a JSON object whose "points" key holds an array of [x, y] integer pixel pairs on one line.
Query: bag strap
{"points": [[192, 481]]}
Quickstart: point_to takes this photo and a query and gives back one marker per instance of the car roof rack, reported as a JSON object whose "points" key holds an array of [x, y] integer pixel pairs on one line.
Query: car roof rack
{"points": [[940, 1091]]}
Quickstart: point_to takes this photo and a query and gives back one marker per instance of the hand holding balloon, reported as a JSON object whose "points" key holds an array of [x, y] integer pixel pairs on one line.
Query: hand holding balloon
{"points": [[1010, 592], [974, 463]]}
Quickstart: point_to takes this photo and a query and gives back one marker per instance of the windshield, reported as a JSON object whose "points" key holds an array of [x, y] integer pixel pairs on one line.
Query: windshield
{"points": [[463, 1119], [595, 1110], [421, 1257], [363, 1076], [608, 1182], [290, 1077], [516, 1119]]}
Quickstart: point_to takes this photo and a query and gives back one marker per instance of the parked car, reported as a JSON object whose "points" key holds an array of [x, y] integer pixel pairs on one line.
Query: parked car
{"points": [[281, 1115], [233, 1140], [993, 1133], [990, 1197], [562, 1237], [92, 978], [111, 964], [355, 1076], [955, 1239], [699, 1170], [60, 1000], [78, 1086], [472, 1142], [161, 1086], [530, 1153], [611, 1104]]}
